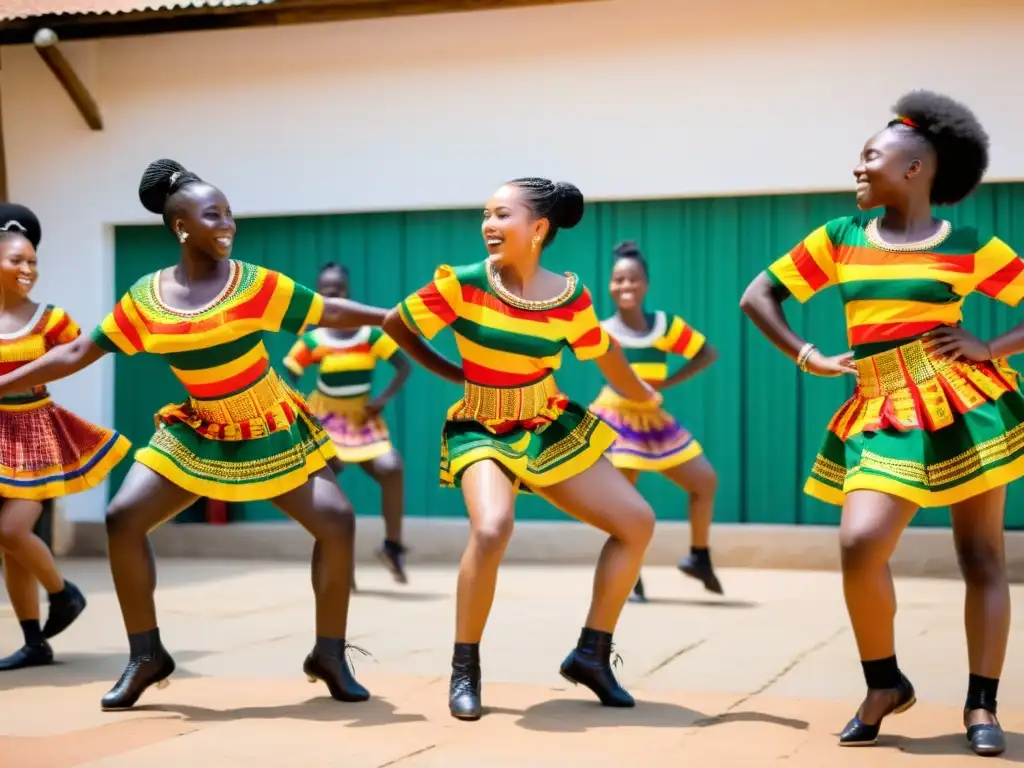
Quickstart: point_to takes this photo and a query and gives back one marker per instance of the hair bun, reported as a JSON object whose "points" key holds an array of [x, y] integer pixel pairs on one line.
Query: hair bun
{"points": [[569, 204], [19, 220], [156, 183], [627, 249]]}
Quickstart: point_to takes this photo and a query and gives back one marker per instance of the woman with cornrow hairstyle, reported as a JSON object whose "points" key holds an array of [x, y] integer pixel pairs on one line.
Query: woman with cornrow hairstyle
{"points": [[937, 416], [515, 431], [241, 435], [650, 439]]}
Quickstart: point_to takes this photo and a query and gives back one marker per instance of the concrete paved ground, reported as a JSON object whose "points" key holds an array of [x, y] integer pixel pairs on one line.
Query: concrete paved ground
{"points": [[766, 675]]}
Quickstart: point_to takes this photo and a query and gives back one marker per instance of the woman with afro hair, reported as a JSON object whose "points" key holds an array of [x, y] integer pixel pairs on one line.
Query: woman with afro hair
{"points": [[937, 416]]}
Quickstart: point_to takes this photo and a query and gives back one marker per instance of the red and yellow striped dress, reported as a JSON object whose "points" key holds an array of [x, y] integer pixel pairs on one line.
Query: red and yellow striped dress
{"points": [[926, 428], [46, 451], [344, 379], [242, 434], [512, 412]]}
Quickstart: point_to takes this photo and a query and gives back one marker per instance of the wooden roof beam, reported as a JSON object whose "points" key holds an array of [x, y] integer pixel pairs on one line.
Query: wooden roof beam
{"points": [[46, 46]]}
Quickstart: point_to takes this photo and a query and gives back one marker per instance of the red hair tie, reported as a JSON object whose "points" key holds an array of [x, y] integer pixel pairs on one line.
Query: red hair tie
{"points": [[906, 121]]}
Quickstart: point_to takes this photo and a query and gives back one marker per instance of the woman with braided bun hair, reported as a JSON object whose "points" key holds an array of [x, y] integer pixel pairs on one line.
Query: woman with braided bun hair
{"points": [[45, 451], [241, 435], [515, 431], [937, 415]]}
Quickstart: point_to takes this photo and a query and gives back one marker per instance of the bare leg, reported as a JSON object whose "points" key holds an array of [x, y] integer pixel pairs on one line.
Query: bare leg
{"points": [[388, 472], [870, 529], [489, 493], [144, 501], [978, 536], [23, 590], [321, 508], [17, 518], [602, 497], [638, 595], [698, 478]]}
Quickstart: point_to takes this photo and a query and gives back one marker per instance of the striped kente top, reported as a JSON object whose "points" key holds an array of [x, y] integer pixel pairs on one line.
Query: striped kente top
{"points": [[648, 354], [216, 351], [49, 327], [504, 340], [893, 294], [346, 365]]}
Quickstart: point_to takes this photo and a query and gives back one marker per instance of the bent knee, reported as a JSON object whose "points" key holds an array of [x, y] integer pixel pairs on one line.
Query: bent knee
{"points": [[863, 548], [492, 536], [981, 562], [337, 523], [635, 523], [707, 482], [389, 467], [13, 535]]}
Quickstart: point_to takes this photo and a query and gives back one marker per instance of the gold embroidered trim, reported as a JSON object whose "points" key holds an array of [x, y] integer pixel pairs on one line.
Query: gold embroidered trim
{"points": [[506, 404], [828, 469], [569, 445], [229, 286], [494, 278], [253, 403], [871, 232]]}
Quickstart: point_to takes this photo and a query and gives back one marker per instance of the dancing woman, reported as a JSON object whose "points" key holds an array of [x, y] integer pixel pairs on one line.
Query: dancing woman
{"points": [[937, 416], [241, 435], [514, 430], [341, 401], [651, 440], [45, 451]]}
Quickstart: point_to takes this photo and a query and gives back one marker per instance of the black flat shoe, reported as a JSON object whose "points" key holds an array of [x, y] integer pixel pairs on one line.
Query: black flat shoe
{"points": [[464, 690], [27, 656], [331, 666], [142, 671], [65, 607], [702, 571], [857, 733], [589, 665], [986, 739]]}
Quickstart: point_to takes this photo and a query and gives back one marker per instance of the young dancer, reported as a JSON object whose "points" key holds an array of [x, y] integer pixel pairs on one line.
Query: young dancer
{"points": [[341, 401], [45, 451], [241, 435], [937, 417], [514, 430], [652, 440]]}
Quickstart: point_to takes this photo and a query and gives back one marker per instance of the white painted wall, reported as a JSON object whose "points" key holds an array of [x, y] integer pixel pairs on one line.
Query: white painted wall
{"points": [[627, 98]]}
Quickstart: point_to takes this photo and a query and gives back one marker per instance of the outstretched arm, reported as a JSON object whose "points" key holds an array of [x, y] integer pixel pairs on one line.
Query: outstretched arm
{"points": [[762, 303], [58, 363], [616, 370], [419, 350], [344, 314]]}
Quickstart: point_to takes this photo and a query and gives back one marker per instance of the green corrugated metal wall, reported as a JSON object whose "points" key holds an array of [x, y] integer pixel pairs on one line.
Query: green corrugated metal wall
{"points": [[760, 421]]}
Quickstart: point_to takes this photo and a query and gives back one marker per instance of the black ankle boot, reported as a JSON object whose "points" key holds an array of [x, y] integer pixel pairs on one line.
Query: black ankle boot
{"points": [[986, 739], [392, 556], [35, 655], [327, 662], [65, 606], [589, 665], [149, 663], [697, 565], [464, 689]]}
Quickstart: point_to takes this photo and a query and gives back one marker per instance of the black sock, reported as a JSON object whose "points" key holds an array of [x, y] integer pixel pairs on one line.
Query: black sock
{"points": [[881, 673], [981, 693], [32, 631], [392, 547], [701, 554], [466, 654], [330, 646], [145, 643], [61, 594]]}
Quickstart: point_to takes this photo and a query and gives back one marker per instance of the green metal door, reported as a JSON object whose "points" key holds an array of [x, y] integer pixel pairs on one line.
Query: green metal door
{"points": [[760, 421]]}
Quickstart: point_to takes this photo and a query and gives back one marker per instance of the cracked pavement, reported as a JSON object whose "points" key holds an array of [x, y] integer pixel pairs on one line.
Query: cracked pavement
{"points": [[766, 674]]}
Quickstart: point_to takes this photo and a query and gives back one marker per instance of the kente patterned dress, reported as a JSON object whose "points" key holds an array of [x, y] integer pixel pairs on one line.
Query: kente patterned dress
{"points": [[46, 451], [919, 426], [512, 411], [649, 438], [242, 434], [343, 388]]}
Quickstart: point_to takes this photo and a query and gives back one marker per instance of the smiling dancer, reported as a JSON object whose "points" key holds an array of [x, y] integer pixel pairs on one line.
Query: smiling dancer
{"points": [[45, 451], [341, 401], [241, 435], [652, 440], [937, 417], [514, 430]]}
